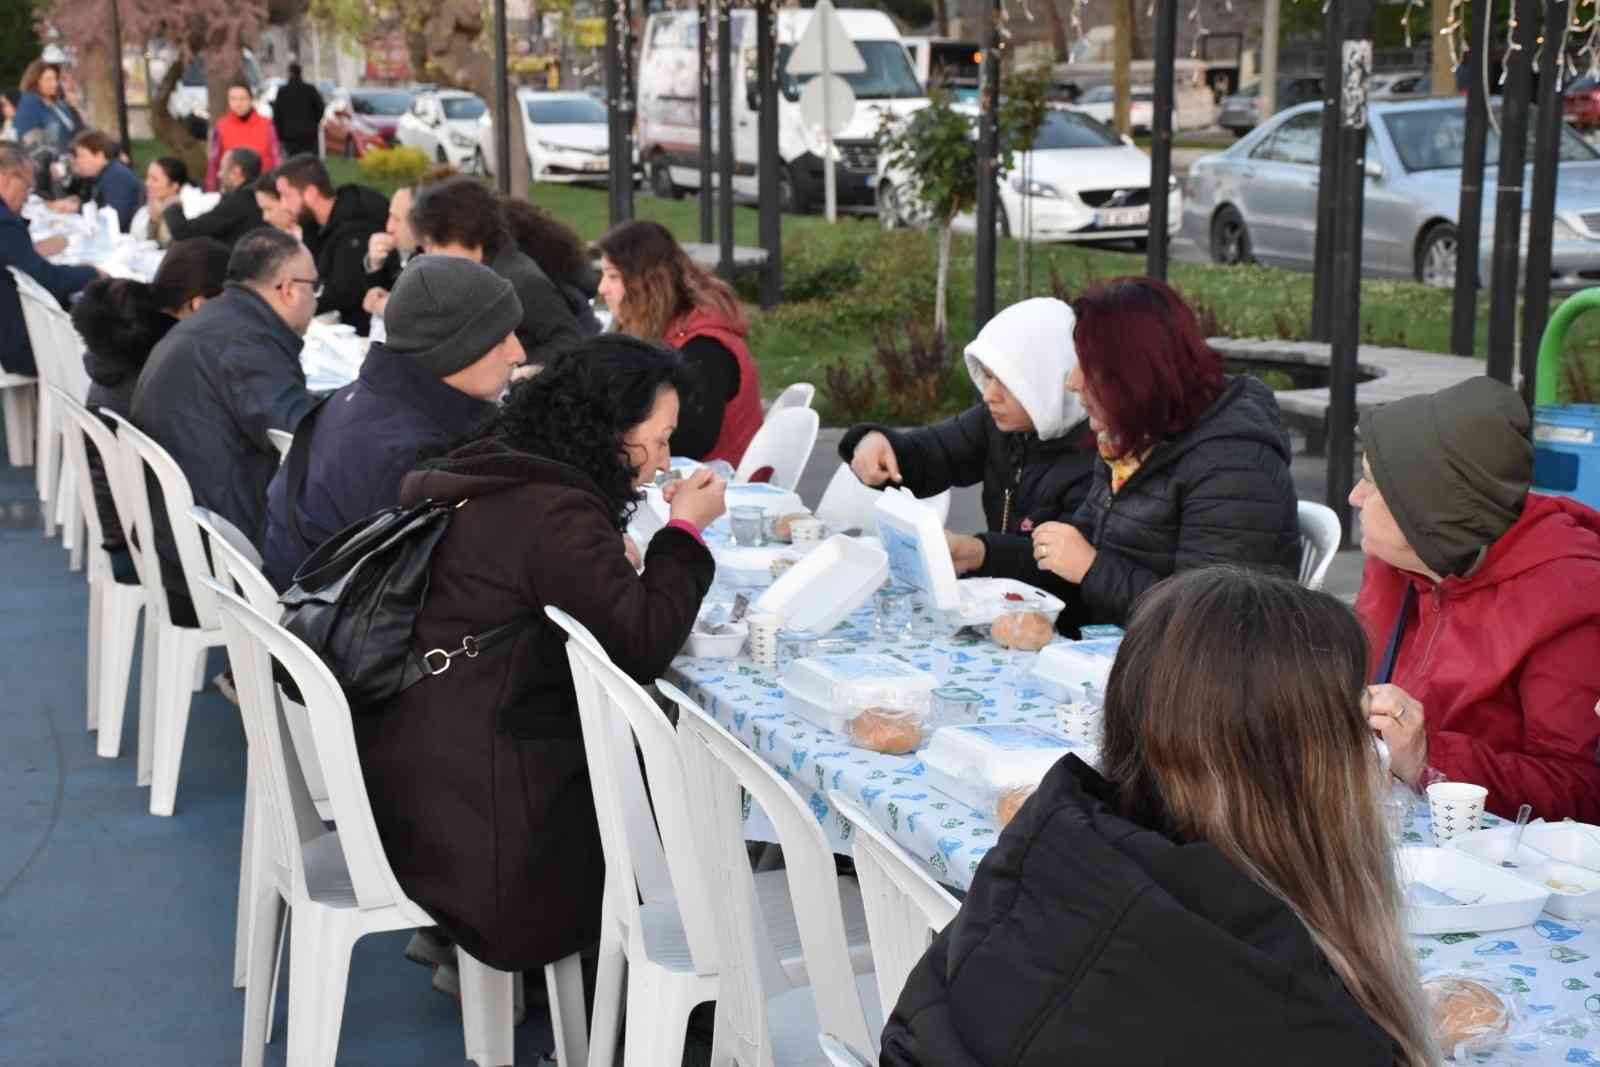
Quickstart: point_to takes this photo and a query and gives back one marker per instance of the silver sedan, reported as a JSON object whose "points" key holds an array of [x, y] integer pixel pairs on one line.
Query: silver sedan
{"points": [[1257, 201]]}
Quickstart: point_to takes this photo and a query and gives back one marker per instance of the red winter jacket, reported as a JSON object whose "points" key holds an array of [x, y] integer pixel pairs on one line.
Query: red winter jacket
{"points": [[1506, 661], [742, 417]]}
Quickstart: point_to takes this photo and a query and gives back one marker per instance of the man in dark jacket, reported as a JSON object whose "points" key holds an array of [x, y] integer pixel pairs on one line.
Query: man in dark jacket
{"points": [[18, 250], [297, 114], [235, 215], [1089, 938], [221, 379], [339, 225], [448, 357]]}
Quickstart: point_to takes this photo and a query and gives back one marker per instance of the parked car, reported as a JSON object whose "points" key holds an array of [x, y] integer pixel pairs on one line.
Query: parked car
{"points": [[1583, 103], [1100, 103], [1241, 112], [359, 119], [1080, 182], [188, 99], [444, 124], [566, 136], [1399, 83], [1256, 202]]}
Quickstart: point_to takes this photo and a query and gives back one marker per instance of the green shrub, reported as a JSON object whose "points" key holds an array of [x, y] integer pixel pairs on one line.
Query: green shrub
{"points": [[400, 165]]}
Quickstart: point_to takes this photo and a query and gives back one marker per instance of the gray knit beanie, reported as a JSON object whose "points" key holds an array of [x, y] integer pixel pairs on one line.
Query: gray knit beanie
{"points": [[1453, 466], [446, 312]]}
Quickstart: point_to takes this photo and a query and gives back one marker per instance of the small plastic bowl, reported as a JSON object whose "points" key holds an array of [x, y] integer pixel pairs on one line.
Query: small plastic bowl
{"points": [[717, 646]]}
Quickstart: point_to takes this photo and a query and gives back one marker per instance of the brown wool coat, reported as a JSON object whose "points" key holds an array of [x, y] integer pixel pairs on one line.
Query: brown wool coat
{"points": [[477, 776]]}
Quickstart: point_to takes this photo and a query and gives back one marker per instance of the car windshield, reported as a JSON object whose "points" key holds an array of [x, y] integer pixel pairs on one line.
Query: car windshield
{"points": [[380, 103], [1098, 95], [1066, 129], [888, 75], [463, 107], [568, 111], [1434, 138]]}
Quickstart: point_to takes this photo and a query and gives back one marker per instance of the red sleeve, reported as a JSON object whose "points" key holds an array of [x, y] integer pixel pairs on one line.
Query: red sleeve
{"points": [[1556, 770], [274, 151]]}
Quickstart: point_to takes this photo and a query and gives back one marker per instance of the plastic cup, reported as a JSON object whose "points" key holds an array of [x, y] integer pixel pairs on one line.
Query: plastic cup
{"points": [[764, 627], [1456, 808], [748, 523], [805, 531], [893, 620]]}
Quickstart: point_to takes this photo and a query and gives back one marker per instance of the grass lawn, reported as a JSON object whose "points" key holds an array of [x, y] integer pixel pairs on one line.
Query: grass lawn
{"points": [[851, 290]]}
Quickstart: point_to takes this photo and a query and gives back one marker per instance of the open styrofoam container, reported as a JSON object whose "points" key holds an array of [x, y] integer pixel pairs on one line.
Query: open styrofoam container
{"points": [[919, 555], [974, 763], [983, 600], [830, 582], [1062, 669], [751, 566], [773, 499], [1561, 858], [831, 690], [1507, 901]]}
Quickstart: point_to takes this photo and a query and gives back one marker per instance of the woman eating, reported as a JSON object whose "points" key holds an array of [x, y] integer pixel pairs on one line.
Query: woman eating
{"points": [[1195, 463], [477, 777], [655, 291], [164, 180], [1225, 892]]}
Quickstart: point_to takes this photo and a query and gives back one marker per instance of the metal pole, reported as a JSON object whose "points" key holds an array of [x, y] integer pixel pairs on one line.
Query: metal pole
{"points": [[1355, 39], [1327, 177], [707, 226], [1504, 262], [619, 118], [725, 139], [1161, 137], [1469, 216], [1541, 212], [987, 241], [767, 154], [119, 80], [502, 103]]}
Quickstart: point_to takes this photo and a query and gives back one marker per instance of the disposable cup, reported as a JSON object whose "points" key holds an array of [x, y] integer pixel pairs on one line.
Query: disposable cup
{"points": [[1456, 808], [764, 627], [805, 531]]}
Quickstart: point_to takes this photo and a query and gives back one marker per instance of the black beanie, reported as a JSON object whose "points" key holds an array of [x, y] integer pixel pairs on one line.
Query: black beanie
{"points": [[446, 313], [1453, 466]]}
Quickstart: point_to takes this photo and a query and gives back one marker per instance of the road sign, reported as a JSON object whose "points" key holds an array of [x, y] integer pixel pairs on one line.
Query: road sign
{"points": [[825, 47], [827, 104]]}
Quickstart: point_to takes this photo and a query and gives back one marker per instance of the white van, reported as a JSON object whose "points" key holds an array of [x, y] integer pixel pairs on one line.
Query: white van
{"points": [[669, 106]]}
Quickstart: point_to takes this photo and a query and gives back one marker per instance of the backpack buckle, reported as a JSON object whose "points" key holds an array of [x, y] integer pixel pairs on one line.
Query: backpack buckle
{"points": [[444, 661]]}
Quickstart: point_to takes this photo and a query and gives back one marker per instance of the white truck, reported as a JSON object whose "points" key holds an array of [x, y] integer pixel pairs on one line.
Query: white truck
{"points": [[669, 106]]}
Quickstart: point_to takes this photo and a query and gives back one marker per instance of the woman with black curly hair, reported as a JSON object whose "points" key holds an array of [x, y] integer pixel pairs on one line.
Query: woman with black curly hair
{"points": [[477, 776], [560, 253]]}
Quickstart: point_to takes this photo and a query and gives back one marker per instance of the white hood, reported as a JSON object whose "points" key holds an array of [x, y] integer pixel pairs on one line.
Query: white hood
{"points": [[1029, 347]]}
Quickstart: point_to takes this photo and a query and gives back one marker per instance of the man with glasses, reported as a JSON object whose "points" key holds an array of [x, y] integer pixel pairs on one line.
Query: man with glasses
{"points": [[222, 378], [17, 249]]}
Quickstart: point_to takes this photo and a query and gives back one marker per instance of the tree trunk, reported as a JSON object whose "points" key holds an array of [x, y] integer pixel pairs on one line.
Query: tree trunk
{"points": [[1058, 31], [1121, 57], [939, 320], [174, 134], [1443, 82], [1136, 44], [97, 80], [941, 16]]}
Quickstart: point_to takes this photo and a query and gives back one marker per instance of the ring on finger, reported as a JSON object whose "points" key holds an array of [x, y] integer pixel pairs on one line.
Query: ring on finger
{"points": [[1400, 714]]}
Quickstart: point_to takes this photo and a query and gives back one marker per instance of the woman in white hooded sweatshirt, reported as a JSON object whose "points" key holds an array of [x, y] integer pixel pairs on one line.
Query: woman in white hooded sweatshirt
{"points": [[1028, 442]]}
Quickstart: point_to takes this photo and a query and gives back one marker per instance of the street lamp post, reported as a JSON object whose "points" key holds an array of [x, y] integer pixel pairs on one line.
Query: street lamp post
{"points": [[1505, 256], [1469, 215], [987, 242], [1161, 137]]}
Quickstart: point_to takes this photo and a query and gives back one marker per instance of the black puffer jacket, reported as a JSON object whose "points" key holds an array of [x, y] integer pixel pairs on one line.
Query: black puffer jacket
{"points": [[340, 249], [1220, 492], [1089, 938]]}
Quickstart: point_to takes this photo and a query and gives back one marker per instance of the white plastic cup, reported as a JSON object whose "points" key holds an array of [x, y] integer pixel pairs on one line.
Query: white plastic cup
{"points": [[805, 531], [1456, 808], [764, 627]]}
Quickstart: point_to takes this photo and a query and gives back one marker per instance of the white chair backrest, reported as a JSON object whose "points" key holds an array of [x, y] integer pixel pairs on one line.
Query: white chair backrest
{"points": [[236, 563], [798, 395], [133, 508], [282, 440], [719, 764], [647, 835], [254, 643], [783, 443], [75, 433], [847, 503], [1320, 536], [57, 348], [839, 1054], [178, 500], [905, 906]]}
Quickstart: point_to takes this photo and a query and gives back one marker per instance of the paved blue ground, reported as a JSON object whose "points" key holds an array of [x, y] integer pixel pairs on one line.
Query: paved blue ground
{"points": [[116, 927]]}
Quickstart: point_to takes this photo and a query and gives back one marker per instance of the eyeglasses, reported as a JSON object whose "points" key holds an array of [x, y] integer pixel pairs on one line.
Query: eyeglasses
{"points": [[314, 283]]}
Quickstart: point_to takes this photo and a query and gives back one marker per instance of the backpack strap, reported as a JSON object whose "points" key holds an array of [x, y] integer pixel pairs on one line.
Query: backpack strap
{"points": [[436, 661]]}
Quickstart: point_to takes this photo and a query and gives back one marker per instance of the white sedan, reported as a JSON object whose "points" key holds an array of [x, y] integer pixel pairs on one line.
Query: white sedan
{"points": [[1100, 103], [566, 136], [1080, 182], [444, 124]]}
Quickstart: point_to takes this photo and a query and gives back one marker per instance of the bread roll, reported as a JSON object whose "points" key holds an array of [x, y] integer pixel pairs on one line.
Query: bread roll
{"points": [[1011, 801], [1026, 630], [1465, 1013], [892, 731], [783, 526]]}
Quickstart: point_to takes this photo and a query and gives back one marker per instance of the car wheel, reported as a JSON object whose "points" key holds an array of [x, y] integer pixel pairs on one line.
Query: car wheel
{"points": [[480, 166], [1230, 238], [1437, 257], [889, 216], [439, 156], [661, 182], [789, 202]]}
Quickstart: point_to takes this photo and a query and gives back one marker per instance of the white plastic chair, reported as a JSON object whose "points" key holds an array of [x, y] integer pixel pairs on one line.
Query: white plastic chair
{"points": [[58, 354], [762, 1019], [798, 395], [282, 440], [783, 443], [905, 906], [168, 678], [840, 1055], [18, 399], [338, 883], [113, 606], [1320, 535], [847, 503]]}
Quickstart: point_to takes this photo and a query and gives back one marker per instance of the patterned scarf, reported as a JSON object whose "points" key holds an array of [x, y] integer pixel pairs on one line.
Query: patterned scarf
{"points": [[1122, 467]]}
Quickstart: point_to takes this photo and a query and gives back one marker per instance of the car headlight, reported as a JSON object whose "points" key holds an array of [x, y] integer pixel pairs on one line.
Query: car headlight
{"points": [[1035, 188], [1561, 230], [548, 147], [461, 140]]}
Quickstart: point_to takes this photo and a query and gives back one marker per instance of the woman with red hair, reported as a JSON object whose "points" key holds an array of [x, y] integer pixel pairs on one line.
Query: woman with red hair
{"points": [[1195, 463]]}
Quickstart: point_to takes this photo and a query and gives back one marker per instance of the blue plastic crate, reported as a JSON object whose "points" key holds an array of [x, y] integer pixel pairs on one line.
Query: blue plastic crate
{"points": [[1566, 457]]}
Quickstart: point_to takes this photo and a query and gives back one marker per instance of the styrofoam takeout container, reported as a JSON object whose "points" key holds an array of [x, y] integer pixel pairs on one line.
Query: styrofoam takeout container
{"points": [[974, 764], [831, 581], [1062, 668], [983, 600], [831, 690], [750, 566], [1506, 902], [1554, 857], [717, 646]]}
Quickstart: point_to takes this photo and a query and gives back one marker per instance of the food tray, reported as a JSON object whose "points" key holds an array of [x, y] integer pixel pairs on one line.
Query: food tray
{"points": [[1507, 902], [830, 690], [983, 600], [825, 587], [1555, 857], [717, 646], [1062, 668], [750, 566], [974, 764]]}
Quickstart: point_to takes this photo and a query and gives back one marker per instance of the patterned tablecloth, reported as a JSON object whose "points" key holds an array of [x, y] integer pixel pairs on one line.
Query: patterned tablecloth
{"points": [[1554, 965]]}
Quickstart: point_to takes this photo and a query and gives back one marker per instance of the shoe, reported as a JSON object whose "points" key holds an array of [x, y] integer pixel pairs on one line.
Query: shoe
{"points": [[431, 948], [447, 980], [225, 686]]}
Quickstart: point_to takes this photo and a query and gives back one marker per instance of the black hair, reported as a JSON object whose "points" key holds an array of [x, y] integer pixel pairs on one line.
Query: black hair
{"points": [[97, 141], [459, 211], [194, 266], [305, 171], [240, 83], [578, 409], [248, 160], [267, 183], [175, 169], [546, 240], [294, 72], [121, 320], [260, 253]]}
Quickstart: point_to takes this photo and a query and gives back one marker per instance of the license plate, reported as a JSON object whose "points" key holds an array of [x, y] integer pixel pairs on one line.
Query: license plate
{"points": [[596, 164], [1122, 218]]}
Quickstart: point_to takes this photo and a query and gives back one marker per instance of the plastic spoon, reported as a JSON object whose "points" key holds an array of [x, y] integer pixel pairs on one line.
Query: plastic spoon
{"points": [[1516, 836]]}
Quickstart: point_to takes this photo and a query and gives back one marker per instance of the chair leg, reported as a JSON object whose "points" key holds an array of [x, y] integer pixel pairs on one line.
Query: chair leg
{"points": [[199, 683], [320, 942], [172, 719], [487, 1005], [119, 615], [612, 969], [658, 1020], [149, 683], [97, 611], [563, 981], [258, 984], [20, 427], [249, 865]]}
